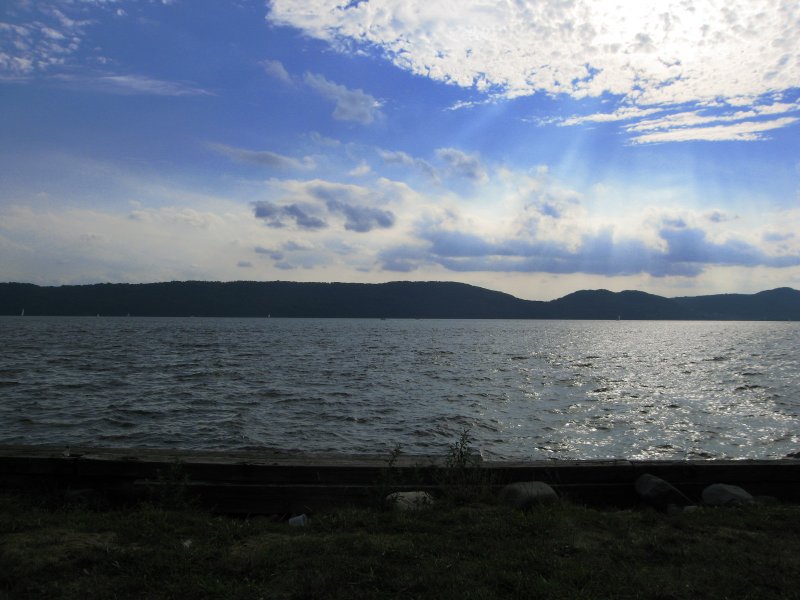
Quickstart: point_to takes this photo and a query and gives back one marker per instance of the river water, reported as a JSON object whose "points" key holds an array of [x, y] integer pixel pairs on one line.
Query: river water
{"points": [[524, 389]]}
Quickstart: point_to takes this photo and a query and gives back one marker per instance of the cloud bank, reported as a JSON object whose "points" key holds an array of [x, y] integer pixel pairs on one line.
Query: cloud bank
{"points": [[522, 223], [667, 54]]}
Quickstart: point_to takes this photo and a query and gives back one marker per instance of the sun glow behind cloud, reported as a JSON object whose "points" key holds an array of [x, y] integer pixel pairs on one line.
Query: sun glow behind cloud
{"points": [[672, 57]]}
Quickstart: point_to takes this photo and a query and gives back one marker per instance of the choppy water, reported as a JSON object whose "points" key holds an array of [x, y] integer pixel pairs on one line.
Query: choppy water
{"points": [[526, 389]]}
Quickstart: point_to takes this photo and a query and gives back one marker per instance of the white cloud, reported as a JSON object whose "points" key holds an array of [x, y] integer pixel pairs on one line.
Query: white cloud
{"points": [[45, 41], [455, 163], [351, 105], [264, 158], [276, 69], [42, 38], [745, 131], [462, 164], [361, 170], [34, 46], [708, 122], [133, 85], [398, 157], [649, 55], [662, 51], [516, 225], [320, 140], [624, 113]]}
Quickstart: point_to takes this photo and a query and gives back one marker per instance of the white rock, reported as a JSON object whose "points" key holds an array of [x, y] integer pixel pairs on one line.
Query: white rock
{"points": [[524, 494]]}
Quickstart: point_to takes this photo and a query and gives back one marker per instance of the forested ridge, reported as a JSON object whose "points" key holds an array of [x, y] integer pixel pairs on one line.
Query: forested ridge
{"points": [[402, 299]]}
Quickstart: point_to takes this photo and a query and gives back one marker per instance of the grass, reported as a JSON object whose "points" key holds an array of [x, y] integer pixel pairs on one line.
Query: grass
{"points": [[51, 550]]}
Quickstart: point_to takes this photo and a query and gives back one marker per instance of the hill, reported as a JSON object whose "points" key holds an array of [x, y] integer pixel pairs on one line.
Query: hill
{"points": [[781, 304], [401, 299]]}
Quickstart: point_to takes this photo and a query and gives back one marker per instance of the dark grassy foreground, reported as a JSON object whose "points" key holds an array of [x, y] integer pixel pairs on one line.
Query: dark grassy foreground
{"points": [[479, 551]]}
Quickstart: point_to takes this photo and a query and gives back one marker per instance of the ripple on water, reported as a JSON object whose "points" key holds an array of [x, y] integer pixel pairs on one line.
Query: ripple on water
{"points": [[524, 389]]}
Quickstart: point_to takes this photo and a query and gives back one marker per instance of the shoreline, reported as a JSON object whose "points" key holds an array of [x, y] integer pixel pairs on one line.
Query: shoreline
{"points": [[266, 483]]}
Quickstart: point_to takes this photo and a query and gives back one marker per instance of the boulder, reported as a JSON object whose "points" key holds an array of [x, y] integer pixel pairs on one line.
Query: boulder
{"points": [[721, 494], [659, 493], [524, 494], [406, 501]]}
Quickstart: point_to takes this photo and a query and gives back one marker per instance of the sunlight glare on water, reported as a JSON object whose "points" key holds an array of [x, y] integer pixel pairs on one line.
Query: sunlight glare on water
{"points": [[525, 389]]}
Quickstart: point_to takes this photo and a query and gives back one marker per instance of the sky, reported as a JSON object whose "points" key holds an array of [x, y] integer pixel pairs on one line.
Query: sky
{"points": [[533, 147]]}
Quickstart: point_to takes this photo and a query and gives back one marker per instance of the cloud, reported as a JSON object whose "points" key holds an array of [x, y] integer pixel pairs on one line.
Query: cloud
{"points": [[38, 42], [396, 157], [688, 253], [275, 69], [297, 246], [462, 164], [293, 254], [399, 157], [672, 55], [320, 140], [692, 246], [328, 230], [775, 236], [47, 41], [273, 254], [128, 85], [351, 105], [718, 216], [716, 121], [623, 113], [362, 218], [276, 215], [746, 131], [456, 164], [679, 52], [351, 202], [264, 158], [360, 170], [184, 217], [403, 259], [57, 244], [317, 204], [535, 225], [138, 84]]}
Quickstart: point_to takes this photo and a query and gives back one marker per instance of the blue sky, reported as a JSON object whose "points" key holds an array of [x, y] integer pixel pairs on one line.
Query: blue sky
{"points": [[531, 147]]}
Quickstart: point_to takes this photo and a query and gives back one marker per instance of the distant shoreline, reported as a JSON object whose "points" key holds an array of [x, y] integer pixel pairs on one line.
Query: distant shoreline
{"points": [[395, 300]]}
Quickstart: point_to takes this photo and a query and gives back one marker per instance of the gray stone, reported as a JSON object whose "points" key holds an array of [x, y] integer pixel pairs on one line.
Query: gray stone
{"points": [[405, 501], [524, 494], [659, 493], [721, 494]]}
